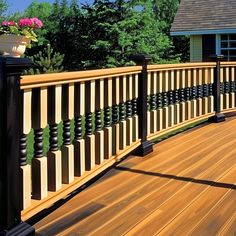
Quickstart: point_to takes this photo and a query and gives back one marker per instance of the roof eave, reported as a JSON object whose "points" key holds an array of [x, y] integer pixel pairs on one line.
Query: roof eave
{"points": [[201, 32]]}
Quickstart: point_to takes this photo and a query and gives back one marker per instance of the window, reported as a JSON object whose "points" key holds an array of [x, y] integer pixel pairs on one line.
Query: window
{"points": [[228, 46]]}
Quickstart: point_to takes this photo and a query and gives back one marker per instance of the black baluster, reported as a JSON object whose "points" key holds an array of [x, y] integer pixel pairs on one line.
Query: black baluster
{"points": [[194, 93], [181, 95], [199, 91], [23, 150], [210, 89], [170, 96], [98, 120], [66, 132], [227, 87], [222, 90], [153, 102], [176, 96], [232, 86], [187, 94], [122, 111], [53, 137], [115, 114], [88, 124], [165, 99], [135, 108], [205, 90], [107, 117], [159, 100], [128, 109], [78, 127], [38, 143]]}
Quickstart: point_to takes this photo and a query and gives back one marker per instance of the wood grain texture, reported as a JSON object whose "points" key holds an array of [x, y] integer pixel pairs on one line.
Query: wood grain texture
{"points": [[188, 178]]}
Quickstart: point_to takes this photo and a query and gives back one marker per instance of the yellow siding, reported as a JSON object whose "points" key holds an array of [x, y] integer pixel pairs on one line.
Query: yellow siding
{"points": [[195, 48]]}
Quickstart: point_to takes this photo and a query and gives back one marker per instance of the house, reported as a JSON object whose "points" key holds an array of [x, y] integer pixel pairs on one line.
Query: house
{"points": [[211, 25]]}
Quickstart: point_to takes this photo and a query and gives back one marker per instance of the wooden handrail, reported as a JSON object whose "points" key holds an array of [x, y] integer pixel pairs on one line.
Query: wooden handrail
{"points": [[44, 80], [181, 66]]}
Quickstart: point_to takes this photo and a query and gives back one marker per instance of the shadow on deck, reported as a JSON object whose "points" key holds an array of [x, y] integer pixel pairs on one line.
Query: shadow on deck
{"points": [[186, 186]]}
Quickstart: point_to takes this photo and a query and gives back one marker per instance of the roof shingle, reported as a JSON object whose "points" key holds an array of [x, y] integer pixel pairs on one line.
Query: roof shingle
{"points": [[203, 15]]}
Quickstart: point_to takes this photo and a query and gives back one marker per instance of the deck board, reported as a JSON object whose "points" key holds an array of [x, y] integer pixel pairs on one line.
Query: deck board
{"points": [[186, 186]]}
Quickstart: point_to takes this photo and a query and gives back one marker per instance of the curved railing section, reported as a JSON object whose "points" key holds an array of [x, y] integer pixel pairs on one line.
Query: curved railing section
{"points": [[178, 95], [97, 111]]}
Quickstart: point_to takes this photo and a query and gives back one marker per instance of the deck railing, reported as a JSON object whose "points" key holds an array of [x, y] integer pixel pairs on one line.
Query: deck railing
{"points": [[93, 119]]}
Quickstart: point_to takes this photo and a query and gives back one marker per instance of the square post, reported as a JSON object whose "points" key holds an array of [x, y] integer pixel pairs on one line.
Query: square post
{"points": [[218, 117], [10, 205], [146, 146]]}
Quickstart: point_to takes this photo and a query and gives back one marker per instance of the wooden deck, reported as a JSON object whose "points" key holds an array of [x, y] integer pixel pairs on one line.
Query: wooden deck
{"points": [[185, 187]]}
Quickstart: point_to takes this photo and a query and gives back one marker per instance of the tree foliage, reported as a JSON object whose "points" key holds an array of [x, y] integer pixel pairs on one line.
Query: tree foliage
{"points": [[108, 32]]}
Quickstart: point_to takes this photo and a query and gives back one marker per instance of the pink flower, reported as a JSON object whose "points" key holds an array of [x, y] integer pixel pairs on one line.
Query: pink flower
{"points": [[8, 23], [25, 22], [37, 23]]}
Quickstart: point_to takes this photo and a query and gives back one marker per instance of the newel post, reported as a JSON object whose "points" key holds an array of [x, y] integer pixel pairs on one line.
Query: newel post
{"points": [[218, 117], [10, 205], [146, 146]]}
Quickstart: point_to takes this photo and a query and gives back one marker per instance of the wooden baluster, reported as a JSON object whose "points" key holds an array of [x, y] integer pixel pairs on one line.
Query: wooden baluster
{"points": [[115, 115], [89, 137], [211, 97], [122, 114], [107, 119], [54, 154], [199, 92], [159, 101], [194, 94], [25, 168], [129, 119], [205, 92], [176, 97], [149, 81], [153, 106], [99, 133], [232, 86], [39, 162], [79, 143], [226, 81], [182, 105], [67, 148], [165, 100], [135, 108], [171, 97]]}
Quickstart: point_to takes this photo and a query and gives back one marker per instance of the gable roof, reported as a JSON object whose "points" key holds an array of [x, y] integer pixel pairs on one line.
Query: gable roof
{"points": [[205, 17]]}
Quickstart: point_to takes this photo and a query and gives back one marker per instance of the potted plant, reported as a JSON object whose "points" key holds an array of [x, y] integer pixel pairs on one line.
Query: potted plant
{"points": [[16, 36]]}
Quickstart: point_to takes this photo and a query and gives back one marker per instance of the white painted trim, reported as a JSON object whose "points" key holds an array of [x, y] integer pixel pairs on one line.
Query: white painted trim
{"points": [[199, 32], [218, 46]]}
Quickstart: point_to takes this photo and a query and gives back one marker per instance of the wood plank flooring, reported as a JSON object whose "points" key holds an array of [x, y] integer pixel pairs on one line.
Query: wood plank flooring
{"points": [[187, 186]]}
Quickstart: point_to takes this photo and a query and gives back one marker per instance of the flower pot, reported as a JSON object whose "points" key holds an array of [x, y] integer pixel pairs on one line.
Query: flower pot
{"points": [[13, 45]]}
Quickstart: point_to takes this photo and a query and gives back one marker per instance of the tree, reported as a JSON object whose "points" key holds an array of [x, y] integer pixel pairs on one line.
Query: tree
{"points": [[46, 61], [3, 9]]}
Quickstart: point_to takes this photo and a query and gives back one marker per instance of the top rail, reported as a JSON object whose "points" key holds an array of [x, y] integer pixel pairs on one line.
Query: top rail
{"points": [[181, 66], [44, 80]]}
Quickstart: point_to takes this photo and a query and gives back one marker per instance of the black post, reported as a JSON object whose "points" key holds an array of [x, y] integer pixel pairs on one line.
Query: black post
{"points": [[10, 205], [146, 146], [218, 117]]}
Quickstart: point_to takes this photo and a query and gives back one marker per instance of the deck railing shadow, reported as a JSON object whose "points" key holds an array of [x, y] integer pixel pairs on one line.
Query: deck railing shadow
{"points": [[104, 116], [180, 178]]}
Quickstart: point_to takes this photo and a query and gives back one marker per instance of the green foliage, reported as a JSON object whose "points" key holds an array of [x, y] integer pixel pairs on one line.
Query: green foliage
{"points": [[3, 9], [108, 32], [46, 61]]}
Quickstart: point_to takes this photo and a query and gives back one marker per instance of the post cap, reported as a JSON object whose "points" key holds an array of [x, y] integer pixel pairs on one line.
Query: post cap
{"points": [[141, 58]]}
